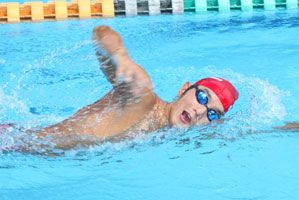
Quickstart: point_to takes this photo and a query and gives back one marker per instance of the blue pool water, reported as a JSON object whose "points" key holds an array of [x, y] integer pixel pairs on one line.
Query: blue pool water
{"points": [[49, 71]]}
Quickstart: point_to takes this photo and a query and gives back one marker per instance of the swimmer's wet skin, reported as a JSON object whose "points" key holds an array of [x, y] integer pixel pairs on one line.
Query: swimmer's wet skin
{"points": [[132, 105]]}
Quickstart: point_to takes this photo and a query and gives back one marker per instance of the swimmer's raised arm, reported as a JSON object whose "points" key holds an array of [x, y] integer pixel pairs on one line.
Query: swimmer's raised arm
{"points": [[124, 74]]}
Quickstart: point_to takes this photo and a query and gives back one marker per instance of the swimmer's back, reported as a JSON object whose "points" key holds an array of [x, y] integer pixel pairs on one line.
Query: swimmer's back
{"points": [[105, 117]]}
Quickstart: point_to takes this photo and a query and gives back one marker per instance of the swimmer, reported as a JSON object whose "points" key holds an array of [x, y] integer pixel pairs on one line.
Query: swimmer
{"points": [[132, 106]]}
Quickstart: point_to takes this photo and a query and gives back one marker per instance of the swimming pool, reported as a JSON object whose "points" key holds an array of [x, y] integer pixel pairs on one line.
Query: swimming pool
{"points": [[49, 70]]}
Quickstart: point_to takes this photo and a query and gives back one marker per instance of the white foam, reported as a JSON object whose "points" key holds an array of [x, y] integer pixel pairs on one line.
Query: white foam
{"points": [[259, 105]]}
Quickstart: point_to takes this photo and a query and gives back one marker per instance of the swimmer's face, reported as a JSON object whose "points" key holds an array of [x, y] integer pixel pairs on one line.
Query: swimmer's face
{"points": [[186, 111]]}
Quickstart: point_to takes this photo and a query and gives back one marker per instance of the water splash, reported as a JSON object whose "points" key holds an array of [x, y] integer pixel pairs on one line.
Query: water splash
{"points": [[259, 105], [9, 104]]}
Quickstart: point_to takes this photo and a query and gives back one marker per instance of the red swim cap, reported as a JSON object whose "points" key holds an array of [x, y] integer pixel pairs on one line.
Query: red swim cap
{"points": [[224, 90]]}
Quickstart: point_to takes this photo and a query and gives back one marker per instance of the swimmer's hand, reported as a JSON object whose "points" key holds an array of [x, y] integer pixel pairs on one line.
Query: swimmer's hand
{"points": [[123, 73]]}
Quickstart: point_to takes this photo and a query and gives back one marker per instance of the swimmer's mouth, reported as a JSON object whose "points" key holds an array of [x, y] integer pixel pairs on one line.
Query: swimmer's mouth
{"points": [[185, 117]]}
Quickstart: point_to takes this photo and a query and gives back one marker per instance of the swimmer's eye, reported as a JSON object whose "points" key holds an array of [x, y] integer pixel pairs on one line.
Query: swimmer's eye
{"points": [[213, 115]]}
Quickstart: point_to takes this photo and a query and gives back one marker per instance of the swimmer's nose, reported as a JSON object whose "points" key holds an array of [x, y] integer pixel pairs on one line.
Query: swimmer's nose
{"points": [[200, 111]]}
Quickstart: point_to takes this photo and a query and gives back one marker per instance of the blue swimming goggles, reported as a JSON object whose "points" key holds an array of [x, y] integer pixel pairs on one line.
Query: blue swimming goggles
{"points": [[202, 98]]}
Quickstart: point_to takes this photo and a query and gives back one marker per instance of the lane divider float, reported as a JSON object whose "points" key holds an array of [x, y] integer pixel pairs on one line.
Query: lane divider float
{"points": [[83, 9], [55, 10]]}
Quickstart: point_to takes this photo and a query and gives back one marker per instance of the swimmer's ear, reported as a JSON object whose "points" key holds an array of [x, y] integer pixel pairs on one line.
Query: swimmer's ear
{"points": [[184, 88]]}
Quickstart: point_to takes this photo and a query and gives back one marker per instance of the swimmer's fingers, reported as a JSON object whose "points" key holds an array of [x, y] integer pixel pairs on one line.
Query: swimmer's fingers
{"points": [[125, 72], [107, 40], [107, 66], [99, 49], [111, 54]]}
